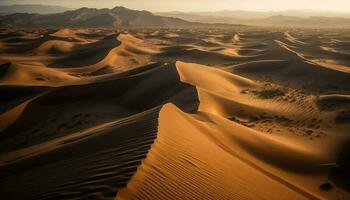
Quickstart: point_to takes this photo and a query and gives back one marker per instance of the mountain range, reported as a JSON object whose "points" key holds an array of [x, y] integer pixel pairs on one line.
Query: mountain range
{"points": [[292, 18], [118, 17], [243, 14]]}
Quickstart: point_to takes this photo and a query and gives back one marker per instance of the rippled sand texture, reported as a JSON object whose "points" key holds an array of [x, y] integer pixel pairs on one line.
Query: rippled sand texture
{"points": [[174, 114]]}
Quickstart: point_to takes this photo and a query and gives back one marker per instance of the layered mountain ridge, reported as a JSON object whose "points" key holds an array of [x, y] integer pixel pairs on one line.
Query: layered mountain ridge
{"points": [[117, 17]]}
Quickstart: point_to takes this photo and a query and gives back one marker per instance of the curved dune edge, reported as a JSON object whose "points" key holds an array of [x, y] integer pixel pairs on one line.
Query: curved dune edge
{"points": [[12, 115], [101, 151], [102, 157], [210, 78], [328, 64], [239, 132], [129, 52], [207, 156], [185, 164], [333, 101], [36, 75]]}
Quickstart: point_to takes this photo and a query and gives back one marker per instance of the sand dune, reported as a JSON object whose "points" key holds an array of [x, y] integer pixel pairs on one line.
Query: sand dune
{"points": [[70, 125], [174, 114], [27, 74], [178, 160], [180, 165], [54, 47]]}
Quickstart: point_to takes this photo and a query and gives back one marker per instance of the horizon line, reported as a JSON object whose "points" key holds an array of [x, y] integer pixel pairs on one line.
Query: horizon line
{"points": [[182, 11]]}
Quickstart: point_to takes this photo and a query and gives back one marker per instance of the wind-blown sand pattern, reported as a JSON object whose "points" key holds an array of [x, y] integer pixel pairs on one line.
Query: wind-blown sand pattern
{"points": [[174, 114]]}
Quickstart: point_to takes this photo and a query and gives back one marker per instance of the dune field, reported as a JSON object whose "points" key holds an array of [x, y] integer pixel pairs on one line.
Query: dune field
{"points": [[178, 114]]}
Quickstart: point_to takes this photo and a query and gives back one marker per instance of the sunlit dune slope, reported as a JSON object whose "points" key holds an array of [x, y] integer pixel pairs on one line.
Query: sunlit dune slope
{"points": [[236, 159], [174, 114]]}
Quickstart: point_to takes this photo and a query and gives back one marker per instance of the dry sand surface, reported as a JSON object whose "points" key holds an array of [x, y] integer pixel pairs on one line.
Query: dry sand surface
{"points": [[174, 114]]}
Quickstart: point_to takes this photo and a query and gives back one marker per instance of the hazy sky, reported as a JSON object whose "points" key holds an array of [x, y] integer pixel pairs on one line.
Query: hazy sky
{"points": [[199, 5]]}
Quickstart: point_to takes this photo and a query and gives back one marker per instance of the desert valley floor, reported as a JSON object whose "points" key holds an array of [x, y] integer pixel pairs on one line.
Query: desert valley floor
{"points": [[174, 114]]}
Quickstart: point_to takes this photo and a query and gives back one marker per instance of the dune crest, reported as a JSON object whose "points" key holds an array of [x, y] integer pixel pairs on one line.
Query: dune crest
{"points": [[179, 166], [173, 113], [280, 161]]}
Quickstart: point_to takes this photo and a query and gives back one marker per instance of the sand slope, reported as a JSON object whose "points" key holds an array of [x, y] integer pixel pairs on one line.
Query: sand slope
{"points": [[179, 166], [174, 114]]}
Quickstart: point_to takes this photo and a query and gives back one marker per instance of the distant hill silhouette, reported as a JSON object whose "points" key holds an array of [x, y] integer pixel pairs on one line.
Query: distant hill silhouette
{"points": [[312, 19], [118, 17]]}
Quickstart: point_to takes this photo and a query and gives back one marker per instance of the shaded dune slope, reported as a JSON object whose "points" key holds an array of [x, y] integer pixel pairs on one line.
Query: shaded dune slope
{"points": [[68, 120], [179, 166], [173, 114]]}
